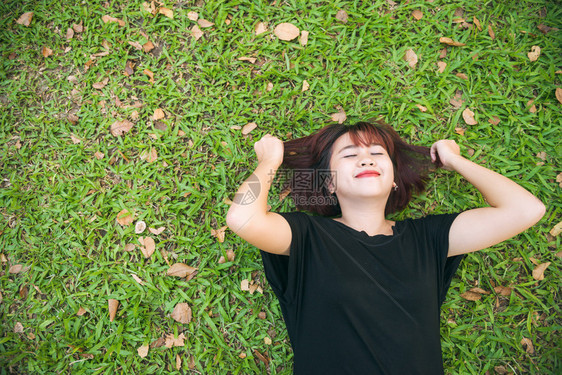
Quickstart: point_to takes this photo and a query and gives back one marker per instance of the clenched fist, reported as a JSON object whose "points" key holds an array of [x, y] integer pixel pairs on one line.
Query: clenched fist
{"points": [[269, 149]]}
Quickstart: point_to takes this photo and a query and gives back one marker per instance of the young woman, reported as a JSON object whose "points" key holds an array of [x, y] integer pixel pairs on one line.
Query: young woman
{"points": [[360, 294]]}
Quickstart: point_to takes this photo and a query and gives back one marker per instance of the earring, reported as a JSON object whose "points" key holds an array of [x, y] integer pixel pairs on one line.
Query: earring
{"points": [[395, 186]]}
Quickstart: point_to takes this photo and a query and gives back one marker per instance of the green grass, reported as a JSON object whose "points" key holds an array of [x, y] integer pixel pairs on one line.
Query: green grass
{"points": [[59, 204]]}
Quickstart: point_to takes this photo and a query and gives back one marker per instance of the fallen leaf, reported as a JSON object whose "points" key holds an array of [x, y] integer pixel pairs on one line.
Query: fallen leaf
{"points": [[442, 65], [149, 74], [457, 103], [75, 139], [246, 129], [112, 305], [462, 76], [267, 341], [172, 341], [532, 108], [468, 117], [107, 19], [178, 362], [557, 229], [182, 313], [16, 268], [459, 131], [148, 46], [262, 357], [340, 117], [286, 31], [204, 23], [411, 57], [342, 16], [503, 290], [78, 27], [150, 8], [25, 19], [558, 94], [140, 226], [491, 32], [99, 155], [538, 272], [245, 285], [18, 328], [479, 291], [180, 270], [129, 68], [249, 59], [156, 231], [69, 33], [303, 39], [477, 23], [102, 84], [421, 107], [494, 120], [451, 42], [129, 247], [417, 14], [260, 28], [471, 296], [167, 12], [528, 345], [158, 114], [119, 128], [533, 55], [148, 246], [46, 51], [196, 32], [142, 351], [136, 45], [193, 16], [137, 279], [305, 86], [81, 311], [125, 217]]}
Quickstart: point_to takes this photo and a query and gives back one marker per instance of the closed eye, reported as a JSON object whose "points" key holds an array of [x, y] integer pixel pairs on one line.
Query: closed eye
{"points": [[348, 156]]}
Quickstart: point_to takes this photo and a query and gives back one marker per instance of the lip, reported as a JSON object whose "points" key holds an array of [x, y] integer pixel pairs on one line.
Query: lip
{"points": [[368, 174]]}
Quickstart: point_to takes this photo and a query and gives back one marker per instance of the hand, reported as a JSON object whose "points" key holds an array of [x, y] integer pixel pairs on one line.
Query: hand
{"points": [[269, 149], [444, 152]]}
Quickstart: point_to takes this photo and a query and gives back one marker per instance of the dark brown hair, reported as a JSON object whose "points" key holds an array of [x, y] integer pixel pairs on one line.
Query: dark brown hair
{"points": [[313, 153]]}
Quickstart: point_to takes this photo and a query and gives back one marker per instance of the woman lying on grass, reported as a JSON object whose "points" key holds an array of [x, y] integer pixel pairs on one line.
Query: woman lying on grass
{"points": [[361, 294]]}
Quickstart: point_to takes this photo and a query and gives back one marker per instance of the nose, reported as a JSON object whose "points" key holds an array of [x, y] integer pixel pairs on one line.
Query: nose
{"points": [[366, 159]]}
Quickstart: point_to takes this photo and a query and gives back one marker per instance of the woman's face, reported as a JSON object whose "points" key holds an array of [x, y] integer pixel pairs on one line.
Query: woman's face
{"points": [[360, 171]]}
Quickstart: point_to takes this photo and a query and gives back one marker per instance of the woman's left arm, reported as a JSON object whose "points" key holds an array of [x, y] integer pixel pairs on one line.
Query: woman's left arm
{"points": [[512, 208]]}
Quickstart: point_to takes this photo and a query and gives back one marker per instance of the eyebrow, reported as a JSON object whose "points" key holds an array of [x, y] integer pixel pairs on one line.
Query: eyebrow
{"points": [[354, 146]]}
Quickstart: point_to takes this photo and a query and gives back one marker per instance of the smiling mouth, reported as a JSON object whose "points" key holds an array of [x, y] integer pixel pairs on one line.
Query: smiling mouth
{"points": [[368, 174]]}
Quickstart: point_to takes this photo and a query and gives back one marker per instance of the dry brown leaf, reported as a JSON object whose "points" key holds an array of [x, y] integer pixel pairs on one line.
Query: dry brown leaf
{"points": [[246, 129], [167, 12], [303, 39], [108, 18], [421, 108], [305, 86], [180, 270], [150, 75], [245, 285], [102, 84], [78, 28], [16, 268], [557, 229], [219, 233], [262, 357], [140, 226], [558, 93], [535, 53], [411, 57], [471, 296], [173, 341], [417, 14], [125, 217], [468, 116], [494, 120], [178, 362], [75, 139], [249, 59], [129, 69], [46, 51], [182, 313], [532, 108], [142, 351], [538, 272], [148, 46], [99, 155], [503, 290], [156, 231], [342, 16], [456, 103], [479, 291], [119, 128], [286, 31], [267, 341], [340, 117], [477, 23], [193, 16], [442, 65], [196, 32], [25, 19], [137, 279], [460, 131], [491, 32], [204, 23], [129, 247], [451, 42], [462, 76], [18, 328], [149, 246], [112, 305], [69, 33], [260, 28], [81, 311], [158, 114], [528, 345]]}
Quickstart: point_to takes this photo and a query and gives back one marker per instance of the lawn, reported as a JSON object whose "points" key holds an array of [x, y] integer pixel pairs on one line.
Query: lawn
{"points": [[124, 136]]}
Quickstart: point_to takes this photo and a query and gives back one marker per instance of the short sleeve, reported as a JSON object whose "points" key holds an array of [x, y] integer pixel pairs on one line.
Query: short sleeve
{"points": [[285, 273], [438, 227]]}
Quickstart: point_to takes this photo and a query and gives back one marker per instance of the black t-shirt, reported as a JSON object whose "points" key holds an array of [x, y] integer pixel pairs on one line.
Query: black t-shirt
{"points": [[359, 304]]}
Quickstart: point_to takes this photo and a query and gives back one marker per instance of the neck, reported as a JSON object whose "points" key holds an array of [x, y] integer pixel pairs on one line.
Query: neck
{"points": [[366, 216]]}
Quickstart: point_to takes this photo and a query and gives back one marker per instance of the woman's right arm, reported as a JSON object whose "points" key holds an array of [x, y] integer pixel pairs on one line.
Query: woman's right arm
{"points": [[248, 216]]}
